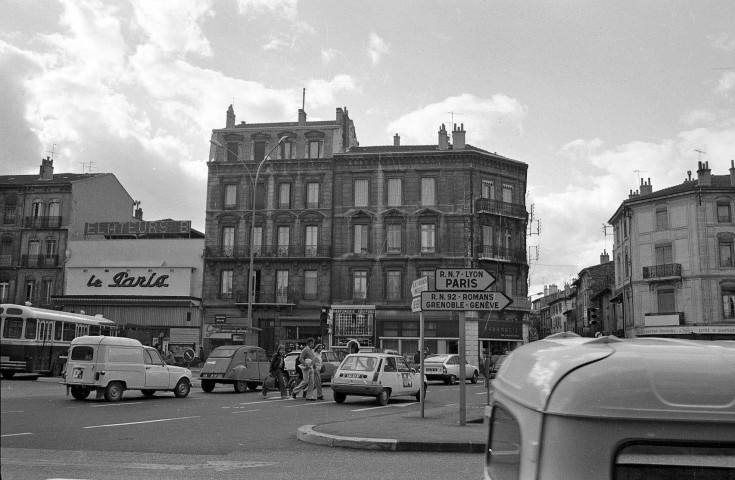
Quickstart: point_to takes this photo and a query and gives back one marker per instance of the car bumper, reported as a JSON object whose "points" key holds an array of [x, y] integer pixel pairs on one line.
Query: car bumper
{"points": [[436, 376], [351, 389]]}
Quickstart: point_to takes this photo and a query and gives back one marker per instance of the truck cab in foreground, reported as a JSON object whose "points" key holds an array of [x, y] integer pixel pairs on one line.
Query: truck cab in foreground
{"points": [[605, 408]]}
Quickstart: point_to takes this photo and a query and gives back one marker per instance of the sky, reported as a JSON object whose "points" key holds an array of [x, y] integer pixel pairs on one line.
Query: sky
{"points": [[593, 95]]}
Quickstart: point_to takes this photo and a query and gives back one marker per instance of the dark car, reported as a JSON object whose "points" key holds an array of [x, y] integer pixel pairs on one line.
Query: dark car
{"points": [[498, 361], [241, 366]]}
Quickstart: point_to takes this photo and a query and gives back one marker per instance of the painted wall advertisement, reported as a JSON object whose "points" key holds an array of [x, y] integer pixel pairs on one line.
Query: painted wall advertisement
{"points": [[161, 281]]}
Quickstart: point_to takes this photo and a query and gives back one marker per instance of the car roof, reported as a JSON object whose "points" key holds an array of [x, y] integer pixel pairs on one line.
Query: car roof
{"points": [[373, 354], [102, 339], [238, 347], [606, 376]]}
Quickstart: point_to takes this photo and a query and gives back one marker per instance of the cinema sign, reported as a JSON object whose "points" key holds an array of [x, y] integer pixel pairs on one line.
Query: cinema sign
{"points": [[159, 281]]}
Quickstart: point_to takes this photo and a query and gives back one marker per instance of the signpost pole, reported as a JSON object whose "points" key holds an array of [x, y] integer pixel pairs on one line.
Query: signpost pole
{"points": [[462, 372], [421, 349]]}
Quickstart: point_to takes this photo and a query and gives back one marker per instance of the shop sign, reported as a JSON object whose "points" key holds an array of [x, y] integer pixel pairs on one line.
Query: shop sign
{"points": [[137, 228], [160, 281], [501, 330]]}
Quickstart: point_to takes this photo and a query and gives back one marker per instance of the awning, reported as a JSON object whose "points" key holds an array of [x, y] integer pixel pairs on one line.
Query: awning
{"points": [[126, 300]]}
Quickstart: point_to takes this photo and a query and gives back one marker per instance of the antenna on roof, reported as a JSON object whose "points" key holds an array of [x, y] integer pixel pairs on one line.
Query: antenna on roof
{"points": [[700, 152], [53, 149], [303, 99], [453, 114]]}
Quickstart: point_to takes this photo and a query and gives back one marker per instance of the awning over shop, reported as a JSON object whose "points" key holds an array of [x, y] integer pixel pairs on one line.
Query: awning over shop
{"points": [[126, 300]]}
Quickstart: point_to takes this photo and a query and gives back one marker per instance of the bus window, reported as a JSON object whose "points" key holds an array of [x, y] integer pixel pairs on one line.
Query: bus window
{"points": [[31, 328], [57, 330], [94, 330], [69, 329], [81, 330], [13, 328]]}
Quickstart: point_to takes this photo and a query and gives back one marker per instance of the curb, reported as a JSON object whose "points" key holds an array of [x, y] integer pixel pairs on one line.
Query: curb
{"points": [[307, 434]]}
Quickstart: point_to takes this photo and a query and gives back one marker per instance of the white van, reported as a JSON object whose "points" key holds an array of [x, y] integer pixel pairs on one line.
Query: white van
{"points": [[111, 365], [568, 407]]}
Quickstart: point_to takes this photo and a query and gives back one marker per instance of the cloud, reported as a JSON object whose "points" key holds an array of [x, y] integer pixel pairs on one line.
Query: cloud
{"points": [[173, 25], [721, 41], [285, 8], [376, 48], [485, 119], [328, 55], [726, 83]]}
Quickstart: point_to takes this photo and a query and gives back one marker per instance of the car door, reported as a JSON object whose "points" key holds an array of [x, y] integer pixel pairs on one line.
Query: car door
{"points": [[391, 377], [156, 371], [410, 383], [264, 364]]}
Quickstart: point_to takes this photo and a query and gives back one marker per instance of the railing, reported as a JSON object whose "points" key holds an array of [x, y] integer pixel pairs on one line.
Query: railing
{"points": [[279, 251], [669, 270], [226, 252], [6, 260], [42, 222], [493, 252], [39, 261], [288, 295], [497, 207]]}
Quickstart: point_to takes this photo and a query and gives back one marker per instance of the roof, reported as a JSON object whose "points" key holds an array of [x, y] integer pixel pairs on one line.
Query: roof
{"points": [[59, 178], [653, 378], [100, 339], [407, 149]]}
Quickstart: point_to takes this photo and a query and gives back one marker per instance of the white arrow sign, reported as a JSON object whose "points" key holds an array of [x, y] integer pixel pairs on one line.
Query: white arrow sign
{"points": [[464, 301], [419, 285], [463, 279]]}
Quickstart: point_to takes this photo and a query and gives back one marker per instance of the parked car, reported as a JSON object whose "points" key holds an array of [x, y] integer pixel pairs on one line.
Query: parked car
{"points": [[329, 360], [111, 365], [639, 408], [378, 375], [242, 366], [446, 367]]}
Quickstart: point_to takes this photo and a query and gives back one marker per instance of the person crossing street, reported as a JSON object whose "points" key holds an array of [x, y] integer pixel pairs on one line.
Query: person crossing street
{"points": [[307, 367]]}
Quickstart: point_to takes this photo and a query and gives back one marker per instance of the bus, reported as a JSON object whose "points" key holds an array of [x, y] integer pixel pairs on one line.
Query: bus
{"points": [[36, 340]]}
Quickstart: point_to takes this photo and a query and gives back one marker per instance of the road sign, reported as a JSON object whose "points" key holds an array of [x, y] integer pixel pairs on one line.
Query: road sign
{"points": [[463, 279], [420, 285], [464, 301], [416, 304]]}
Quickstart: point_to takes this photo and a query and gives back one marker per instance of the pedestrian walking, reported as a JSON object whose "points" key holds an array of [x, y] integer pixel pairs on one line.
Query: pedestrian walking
{"points": [[307, 368], [318, 367], [277, 367]]}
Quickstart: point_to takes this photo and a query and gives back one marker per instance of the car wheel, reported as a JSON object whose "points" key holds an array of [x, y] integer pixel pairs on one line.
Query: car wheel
{"points": [[148, 393], [383, 397], [340, 397], [253, 385], [451, 380], [80, 393], [7, 374], [240, 386], [182, 388], [114, 392], [473, 379], [207, 385]]}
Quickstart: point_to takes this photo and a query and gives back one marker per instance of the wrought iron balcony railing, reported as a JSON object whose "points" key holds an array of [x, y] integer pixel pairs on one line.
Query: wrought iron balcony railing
{"points": [[39, 261], [658, 272], [278, 251], [497, 207], [494, 252], [42, 222]]}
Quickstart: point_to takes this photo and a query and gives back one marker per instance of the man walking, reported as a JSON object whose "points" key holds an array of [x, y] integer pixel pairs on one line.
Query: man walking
{"points": [[307, 367]]}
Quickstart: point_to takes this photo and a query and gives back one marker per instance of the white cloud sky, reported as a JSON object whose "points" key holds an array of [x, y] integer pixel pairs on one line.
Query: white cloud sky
{"points": [[376, 48]]}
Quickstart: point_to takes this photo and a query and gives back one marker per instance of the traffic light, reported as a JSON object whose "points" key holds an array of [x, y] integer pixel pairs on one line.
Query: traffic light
{"points": [[593, 316]]}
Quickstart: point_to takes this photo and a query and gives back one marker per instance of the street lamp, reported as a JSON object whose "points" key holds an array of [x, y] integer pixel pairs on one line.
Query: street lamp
{"points": [[254, 183]]}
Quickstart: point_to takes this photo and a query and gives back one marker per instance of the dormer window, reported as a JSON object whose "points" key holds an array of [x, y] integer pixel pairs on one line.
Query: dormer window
{"points": [[315, 149]]}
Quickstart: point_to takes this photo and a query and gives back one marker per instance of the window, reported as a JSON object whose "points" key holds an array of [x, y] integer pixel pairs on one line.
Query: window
{"points": [[728, 301], [428, 238], [48, 290], [675, 461], [258, 151], [627, 264], [37, 208], [312, 195], [282, 286], [312, 240], [393, 285], [662, 219], [508, 284], [225, 289], [488, 189], [508, 238], [487, 239], [50, 247], [69, 331], [233, 150], [34, 247], [664, 255], [258, 241], [261, 194], [284, 238], [9, 216], [285, 150], [394, 238], [284, 195], [13, 328], [4, 291], [361, 193], [57, 330], [428, 191], [359, 285], [726, 254], [228, 241], [507, 193], [723, 212], [230, 200], [502, 458], [54, 208], [315, 149], [30, 293], [360, 239], [666, 300], [394, 192], [310, 282]]}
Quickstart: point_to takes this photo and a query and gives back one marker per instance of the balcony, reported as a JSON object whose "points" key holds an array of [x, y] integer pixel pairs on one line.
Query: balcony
{"points": [[39, 261], [42, 222], [283, 296], [497, 207], [279, 251], [492, 252], [6, 260], [667, 271], [226, 252]]}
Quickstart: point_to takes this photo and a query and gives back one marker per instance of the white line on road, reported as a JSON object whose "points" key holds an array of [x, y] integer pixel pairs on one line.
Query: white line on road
{"points": [[138, 423], [117, 404], [398, 405], [246, 411], [309, 404], [12, 411], [264, 401], [15, 434]]}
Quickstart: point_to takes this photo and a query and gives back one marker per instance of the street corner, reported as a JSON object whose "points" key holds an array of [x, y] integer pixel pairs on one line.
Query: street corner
{"points": [[307, 434]]}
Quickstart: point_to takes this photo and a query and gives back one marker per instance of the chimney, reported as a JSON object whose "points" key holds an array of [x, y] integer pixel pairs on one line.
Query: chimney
{"points": [[339, 116], [605, 257], [47, 169], [458, 137], [553, 288], [396, 140], [443, 139], [646, 188], [732, 173], [139, 213], [230, 117], [302, 116], [546, 290], [633, 194], [704, 174]]}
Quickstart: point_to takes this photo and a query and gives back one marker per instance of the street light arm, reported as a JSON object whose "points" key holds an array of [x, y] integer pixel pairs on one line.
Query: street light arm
{"points": [[219, 145]]}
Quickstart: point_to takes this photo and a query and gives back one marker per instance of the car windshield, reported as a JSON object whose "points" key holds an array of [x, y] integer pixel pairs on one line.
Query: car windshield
{"points": [[436, 358], [223, 352], [358, 363]]}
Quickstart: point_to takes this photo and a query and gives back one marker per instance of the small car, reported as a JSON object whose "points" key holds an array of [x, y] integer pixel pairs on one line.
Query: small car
{"points": [[242, 366], [111, 365], [609, 408], [446, 368], [378, 375]]}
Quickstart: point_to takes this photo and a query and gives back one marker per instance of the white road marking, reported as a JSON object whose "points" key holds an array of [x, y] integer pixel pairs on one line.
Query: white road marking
{"points": [[264, 401], [309, 404], [13, 411], [246, 411], [397, 405], [138, 423], [117, 404], [16, 434]]}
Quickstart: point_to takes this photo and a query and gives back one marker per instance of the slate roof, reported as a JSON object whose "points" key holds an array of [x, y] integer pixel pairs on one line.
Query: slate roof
{"points": [[59, 178]]}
